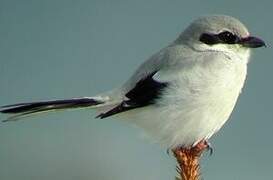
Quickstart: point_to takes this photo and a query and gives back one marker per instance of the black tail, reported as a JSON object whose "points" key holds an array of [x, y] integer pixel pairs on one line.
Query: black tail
{"points": [[23, 109]]}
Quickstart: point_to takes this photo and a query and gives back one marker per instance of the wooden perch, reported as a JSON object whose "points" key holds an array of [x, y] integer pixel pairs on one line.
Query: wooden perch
{"points": [[188, 161]]}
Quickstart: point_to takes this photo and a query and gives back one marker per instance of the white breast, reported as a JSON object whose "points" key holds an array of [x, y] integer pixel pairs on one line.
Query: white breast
{"points": [[197, 103]]}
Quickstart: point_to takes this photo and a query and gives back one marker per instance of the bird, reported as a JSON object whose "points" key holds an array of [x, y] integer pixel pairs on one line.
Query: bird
{"points": [[181, 95]]}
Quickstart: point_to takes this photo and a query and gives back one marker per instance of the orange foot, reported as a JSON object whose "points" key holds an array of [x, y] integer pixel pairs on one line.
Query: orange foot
{"points": [[202, 145]]}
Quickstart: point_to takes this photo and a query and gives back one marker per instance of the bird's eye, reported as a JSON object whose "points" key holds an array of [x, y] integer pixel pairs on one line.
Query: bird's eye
{"points": [[227, 37]]}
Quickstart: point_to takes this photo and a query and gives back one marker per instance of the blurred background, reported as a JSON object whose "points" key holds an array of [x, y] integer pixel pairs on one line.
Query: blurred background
{"points": [[64, 48]]}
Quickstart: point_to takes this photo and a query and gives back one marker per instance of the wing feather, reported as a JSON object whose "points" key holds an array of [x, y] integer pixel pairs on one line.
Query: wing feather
{"points": [[145, 92]]}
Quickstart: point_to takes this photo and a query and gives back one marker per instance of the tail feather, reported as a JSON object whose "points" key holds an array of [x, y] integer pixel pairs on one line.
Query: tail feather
{"points": [[23, 109]]}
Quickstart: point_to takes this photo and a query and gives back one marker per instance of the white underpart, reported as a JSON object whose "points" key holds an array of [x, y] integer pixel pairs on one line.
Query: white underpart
{"points": [[198, 101]]}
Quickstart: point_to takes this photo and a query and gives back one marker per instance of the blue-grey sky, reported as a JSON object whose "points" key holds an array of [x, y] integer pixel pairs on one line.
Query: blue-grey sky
{"points": [[62, 49]]}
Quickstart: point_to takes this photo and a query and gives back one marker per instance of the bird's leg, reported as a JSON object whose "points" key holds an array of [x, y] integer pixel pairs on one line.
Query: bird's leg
{"points": [[204, 144], [188, 160]]}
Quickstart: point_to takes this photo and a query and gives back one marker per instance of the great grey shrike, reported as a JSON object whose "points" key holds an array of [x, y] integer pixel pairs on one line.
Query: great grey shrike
{"points": [[181, 95]]}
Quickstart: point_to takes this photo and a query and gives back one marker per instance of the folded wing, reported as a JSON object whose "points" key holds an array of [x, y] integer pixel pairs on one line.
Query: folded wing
{"points": [[145, 92]]}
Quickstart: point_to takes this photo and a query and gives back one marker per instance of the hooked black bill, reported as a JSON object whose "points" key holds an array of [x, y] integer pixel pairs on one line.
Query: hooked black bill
{"points": [[252, 42]]}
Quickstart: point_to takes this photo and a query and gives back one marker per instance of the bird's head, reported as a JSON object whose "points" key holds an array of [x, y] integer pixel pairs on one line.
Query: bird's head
{"points": [[219, 33]]}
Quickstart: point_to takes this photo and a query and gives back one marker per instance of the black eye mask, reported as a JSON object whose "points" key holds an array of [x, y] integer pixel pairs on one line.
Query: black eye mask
{"points": [[221, 38]]}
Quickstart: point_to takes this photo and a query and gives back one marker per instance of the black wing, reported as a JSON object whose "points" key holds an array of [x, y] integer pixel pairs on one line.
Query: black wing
{"points": [[145, 92]]}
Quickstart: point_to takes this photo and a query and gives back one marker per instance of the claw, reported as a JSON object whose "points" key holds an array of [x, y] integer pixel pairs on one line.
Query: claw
{"points": [[168, 151], [209, 148]]}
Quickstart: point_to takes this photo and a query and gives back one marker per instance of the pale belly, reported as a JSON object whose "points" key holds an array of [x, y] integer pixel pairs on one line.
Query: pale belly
{"points": [[191, 110]]}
